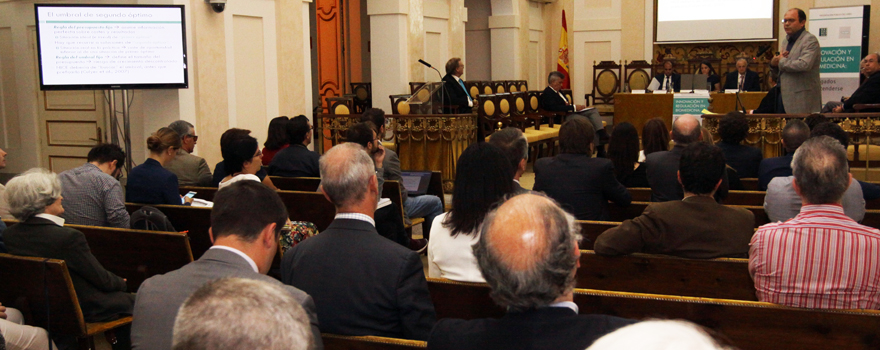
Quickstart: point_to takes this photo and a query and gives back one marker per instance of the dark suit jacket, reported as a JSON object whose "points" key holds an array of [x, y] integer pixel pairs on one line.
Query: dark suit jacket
{"points": [[662, 168], [744, 159], [689, 228], [751, 83], [676, 81], [551, 101], [773, 167], [868, 92], [582, 185], [150, 183], [159, 297], [362, 283], [772, 103], [456, 95], [295, 161], [550, 328], [101, 294]]}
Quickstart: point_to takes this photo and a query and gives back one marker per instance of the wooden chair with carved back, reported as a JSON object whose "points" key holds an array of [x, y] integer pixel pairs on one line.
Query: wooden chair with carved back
{"points": [[606, 83]]}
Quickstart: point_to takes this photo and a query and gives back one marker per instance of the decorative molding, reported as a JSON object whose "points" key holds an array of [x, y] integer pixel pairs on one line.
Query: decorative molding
{"points": [[505, 21], [592, 25]]}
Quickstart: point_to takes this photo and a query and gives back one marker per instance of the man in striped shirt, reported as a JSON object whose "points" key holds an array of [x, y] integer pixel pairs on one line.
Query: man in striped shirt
{"points": [[821, 258]]}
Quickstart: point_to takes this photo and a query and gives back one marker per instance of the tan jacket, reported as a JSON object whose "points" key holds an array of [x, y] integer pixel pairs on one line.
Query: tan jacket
{"points": [[190, 170]]}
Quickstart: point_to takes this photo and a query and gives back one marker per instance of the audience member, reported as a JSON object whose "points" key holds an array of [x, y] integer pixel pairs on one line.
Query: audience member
{"points": [[296, 160], [481, 181], [457, 93], [687, 228], [18, 336], [93, 192], [424, 206], [363, 284], [658, 335], [242, 159], [513, 143], [732, 176], [815, 119], [794, 134], [276, 139], [245, 242], [713, 82], [220, 169], [655, 138], [743, 78], [798, 65], [623, 151], [581, 184], [867, 93], [239, 313], [150, 182], [821, 258], [668, 80], [528, 253], [772, 102], [190, 170], [389, 222], [662, 167], [733, 129], [869, 190], [4, 206], [35, 201]]}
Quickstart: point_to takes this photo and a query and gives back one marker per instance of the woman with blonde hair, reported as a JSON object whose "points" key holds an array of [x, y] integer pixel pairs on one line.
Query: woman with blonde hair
{"points": [[150, 182]]}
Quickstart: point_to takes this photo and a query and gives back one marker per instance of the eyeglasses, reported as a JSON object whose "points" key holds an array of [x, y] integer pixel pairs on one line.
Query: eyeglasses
{"points": [[195, 137], [259, 154], [789, 20]]}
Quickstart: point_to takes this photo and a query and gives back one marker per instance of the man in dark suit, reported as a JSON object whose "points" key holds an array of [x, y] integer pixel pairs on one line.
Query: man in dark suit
{"points": [[743, 79], [869, 91], [772, 102], [687, 228], [662, 167], [668, 80], [245, 225], [456, 93], [553, 100], [363, 284], [296, 160], [514, 144], [794, 134], [536, 288]]}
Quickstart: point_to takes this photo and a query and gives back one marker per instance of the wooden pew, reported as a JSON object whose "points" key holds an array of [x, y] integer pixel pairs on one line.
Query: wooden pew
{"points": [[750, 325], [26, 283], [206, 193], [304, 184], [347, 342], [749, 183], [195, 220], [635, 209], [722, 278], [754, 198], [592, 229]]}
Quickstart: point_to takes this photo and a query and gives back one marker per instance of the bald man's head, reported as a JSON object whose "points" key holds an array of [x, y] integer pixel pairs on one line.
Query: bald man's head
{"points": [[528, 252], [686, 129]]}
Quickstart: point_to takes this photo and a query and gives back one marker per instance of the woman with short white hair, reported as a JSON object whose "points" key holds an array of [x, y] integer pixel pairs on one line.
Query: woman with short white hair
{"points": [[35, 200]]}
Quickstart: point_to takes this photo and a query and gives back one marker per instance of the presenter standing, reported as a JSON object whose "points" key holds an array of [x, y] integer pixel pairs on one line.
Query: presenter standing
{"points": [[455, 89], [798, 66]]}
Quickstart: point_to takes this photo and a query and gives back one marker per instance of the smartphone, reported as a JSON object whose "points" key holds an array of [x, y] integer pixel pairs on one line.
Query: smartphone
{"points": [[190, 194]]}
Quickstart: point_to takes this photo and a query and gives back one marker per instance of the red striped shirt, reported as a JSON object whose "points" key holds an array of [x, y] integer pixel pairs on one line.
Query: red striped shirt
{"points": [[819, 259]]}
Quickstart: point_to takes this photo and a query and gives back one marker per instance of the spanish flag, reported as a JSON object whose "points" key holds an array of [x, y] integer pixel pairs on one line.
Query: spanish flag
{"points": [[562, 61]]}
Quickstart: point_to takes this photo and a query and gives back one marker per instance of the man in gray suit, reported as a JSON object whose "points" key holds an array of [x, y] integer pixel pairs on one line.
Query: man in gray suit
{"points": [[245, 223], [798, 66], [190, 170]]}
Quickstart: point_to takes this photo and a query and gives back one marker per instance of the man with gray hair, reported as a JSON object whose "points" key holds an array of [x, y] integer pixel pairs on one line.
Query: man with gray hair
{"points": [[743, 78], [821, 259], [191, 170], [514, 144], [553, 100], [528, 253], [238, 313], [363, 284]]}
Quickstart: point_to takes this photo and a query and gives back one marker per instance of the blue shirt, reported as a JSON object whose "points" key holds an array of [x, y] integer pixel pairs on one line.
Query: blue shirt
{"points": [[150, 183]]}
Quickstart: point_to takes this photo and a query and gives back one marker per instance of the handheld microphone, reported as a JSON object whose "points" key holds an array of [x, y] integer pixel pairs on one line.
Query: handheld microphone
{"points": [[425, 63]]}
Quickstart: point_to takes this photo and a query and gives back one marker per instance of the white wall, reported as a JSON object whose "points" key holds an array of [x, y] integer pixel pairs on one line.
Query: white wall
{"points": [[478, 55]]}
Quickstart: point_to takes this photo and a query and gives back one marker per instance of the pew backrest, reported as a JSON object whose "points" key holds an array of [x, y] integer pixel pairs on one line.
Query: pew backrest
{"points": [[26, 283], [304, 184], [348, 342], [750, 325], [195, 221], [618, 213], [590, 230]]}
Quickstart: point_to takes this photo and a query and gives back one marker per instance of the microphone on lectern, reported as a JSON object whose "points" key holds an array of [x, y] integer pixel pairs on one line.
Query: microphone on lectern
{"points": [[425, 63]]}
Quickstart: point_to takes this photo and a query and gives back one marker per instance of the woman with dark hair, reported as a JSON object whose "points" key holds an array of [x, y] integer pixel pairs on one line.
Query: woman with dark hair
{"points": [[581, 184], [713, 82], [482, 179], [220, 172], [242, 159], [733, 129], [150, 182], [655, 138], [276, 139], [623, 151]]}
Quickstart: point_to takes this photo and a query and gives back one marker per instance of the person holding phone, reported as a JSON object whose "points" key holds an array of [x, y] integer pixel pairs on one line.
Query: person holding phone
{"points": [[150, 182]]}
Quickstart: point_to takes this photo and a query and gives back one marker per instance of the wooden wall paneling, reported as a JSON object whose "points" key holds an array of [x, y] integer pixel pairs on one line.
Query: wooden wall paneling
{"points": [[331, 75]]}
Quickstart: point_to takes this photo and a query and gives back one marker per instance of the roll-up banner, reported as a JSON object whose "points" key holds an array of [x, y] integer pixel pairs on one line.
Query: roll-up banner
{"points": [[843, 36]]}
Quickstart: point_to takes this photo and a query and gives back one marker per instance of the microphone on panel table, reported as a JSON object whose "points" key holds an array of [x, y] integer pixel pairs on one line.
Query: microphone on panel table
{"points": [[762, 51], [425, 63]]}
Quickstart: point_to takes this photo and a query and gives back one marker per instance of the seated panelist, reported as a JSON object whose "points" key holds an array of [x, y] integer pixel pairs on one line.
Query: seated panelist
{"points": [[743, 79], [666, 81]]}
